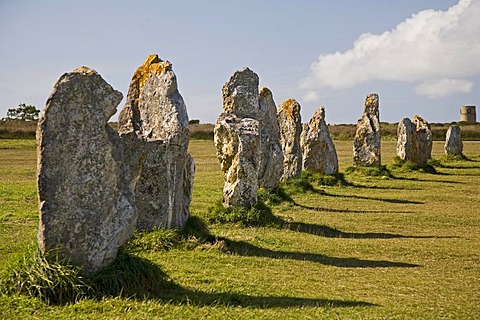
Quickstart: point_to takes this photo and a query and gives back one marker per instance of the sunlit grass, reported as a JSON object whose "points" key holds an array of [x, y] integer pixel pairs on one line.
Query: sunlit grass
{"points": [[405, 247]]}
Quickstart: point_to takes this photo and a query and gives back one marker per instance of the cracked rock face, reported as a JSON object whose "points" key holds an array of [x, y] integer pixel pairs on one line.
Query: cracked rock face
{"points": [[237, 143], [414, 141], [85, 204], [271, 157], [237, 139], [424, 141], [366, 144], [153, 126], [319, 153], [453, 141], [290, 122], [240, 94], [247, 140]]}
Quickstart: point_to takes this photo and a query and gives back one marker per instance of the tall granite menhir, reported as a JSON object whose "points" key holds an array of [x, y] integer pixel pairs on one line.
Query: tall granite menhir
{"points": [[271, 157], [154, 130], [85, 205], [237, 139], [319, 153], [366, 144], [290, 122]]}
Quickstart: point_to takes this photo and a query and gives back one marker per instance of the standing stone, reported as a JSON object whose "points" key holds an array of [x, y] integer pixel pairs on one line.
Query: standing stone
{"points": [[290, 122], [154, 129], [453, 143], [319, 152], [85, 205], [237, 143], [237, 139], [271, 157], [424, 141], [366, 144], [407, 140]]}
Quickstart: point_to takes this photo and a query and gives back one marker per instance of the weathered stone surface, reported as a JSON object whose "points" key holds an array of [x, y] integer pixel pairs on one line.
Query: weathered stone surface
{"points": [[154, 129], [271, 157], [453, 142], [240, 94], [237, 143], [424, 141], [406, 140], [290, 122], [366, 144], [414, 141], [85, 204], [319, 153]]}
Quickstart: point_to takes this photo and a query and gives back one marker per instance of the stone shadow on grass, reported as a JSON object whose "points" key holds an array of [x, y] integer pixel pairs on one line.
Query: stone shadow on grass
{"points": [[243, 248], [357, 185], [322, 209], [184, 296], [373, 198], [138, 278], [447, 166], [287, 198], [328, 232], [427, 180], [200, 231]]}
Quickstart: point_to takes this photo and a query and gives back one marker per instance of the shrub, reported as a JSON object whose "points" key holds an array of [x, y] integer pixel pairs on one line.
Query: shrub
{"points": [[154, 240], [319, 179], [270, 198], [234, 214], [257, 215], [295, 185], [409, 166], [403, 165]]}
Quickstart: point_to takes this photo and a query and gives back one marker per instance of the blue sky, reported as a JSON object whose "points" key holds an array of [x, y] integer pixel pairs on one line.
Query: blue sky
{"points": [[420, 56]]}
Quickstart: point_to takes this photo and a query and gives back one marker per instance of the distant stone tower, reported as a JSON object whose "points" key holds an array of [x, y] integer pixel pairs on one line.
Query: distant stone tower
{"points": [[468, 114]]}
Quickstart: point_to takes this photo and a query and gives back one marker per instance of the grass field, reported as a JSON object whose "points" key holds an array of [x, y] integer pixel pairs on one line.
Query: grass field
{"points": [[406, 247]]}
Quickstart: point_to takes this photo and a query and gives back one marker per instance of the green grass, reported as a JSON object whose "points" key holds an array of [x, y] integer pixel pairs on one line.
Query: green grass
{"points": [[359, 247]]}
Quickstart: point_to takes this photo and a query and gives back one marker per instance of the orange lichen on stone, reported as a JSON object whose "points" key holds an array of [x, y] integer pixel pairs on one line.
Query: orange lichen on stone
{"points": [[153, 64], [84, 70], [288, 106], [368, 100], [420, 122], [265, 92]]}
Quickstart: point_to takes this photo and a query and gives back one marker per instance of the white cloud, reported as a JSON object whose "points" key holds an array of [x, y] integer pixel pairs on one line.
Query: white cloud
{"points": [[443, 88], [311, 96], [429, 46]]}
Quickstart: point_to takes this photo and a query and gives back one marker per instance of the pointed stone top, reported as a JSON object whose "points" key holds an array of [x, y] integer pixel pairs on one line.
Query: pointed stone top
{"points": [[290, 107], [240, 94], [84, 70], [153, 64], [243, 77], [420, 122], [317, 118], [371, 105], [321, 112], [265, 92], [371, 99]]}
